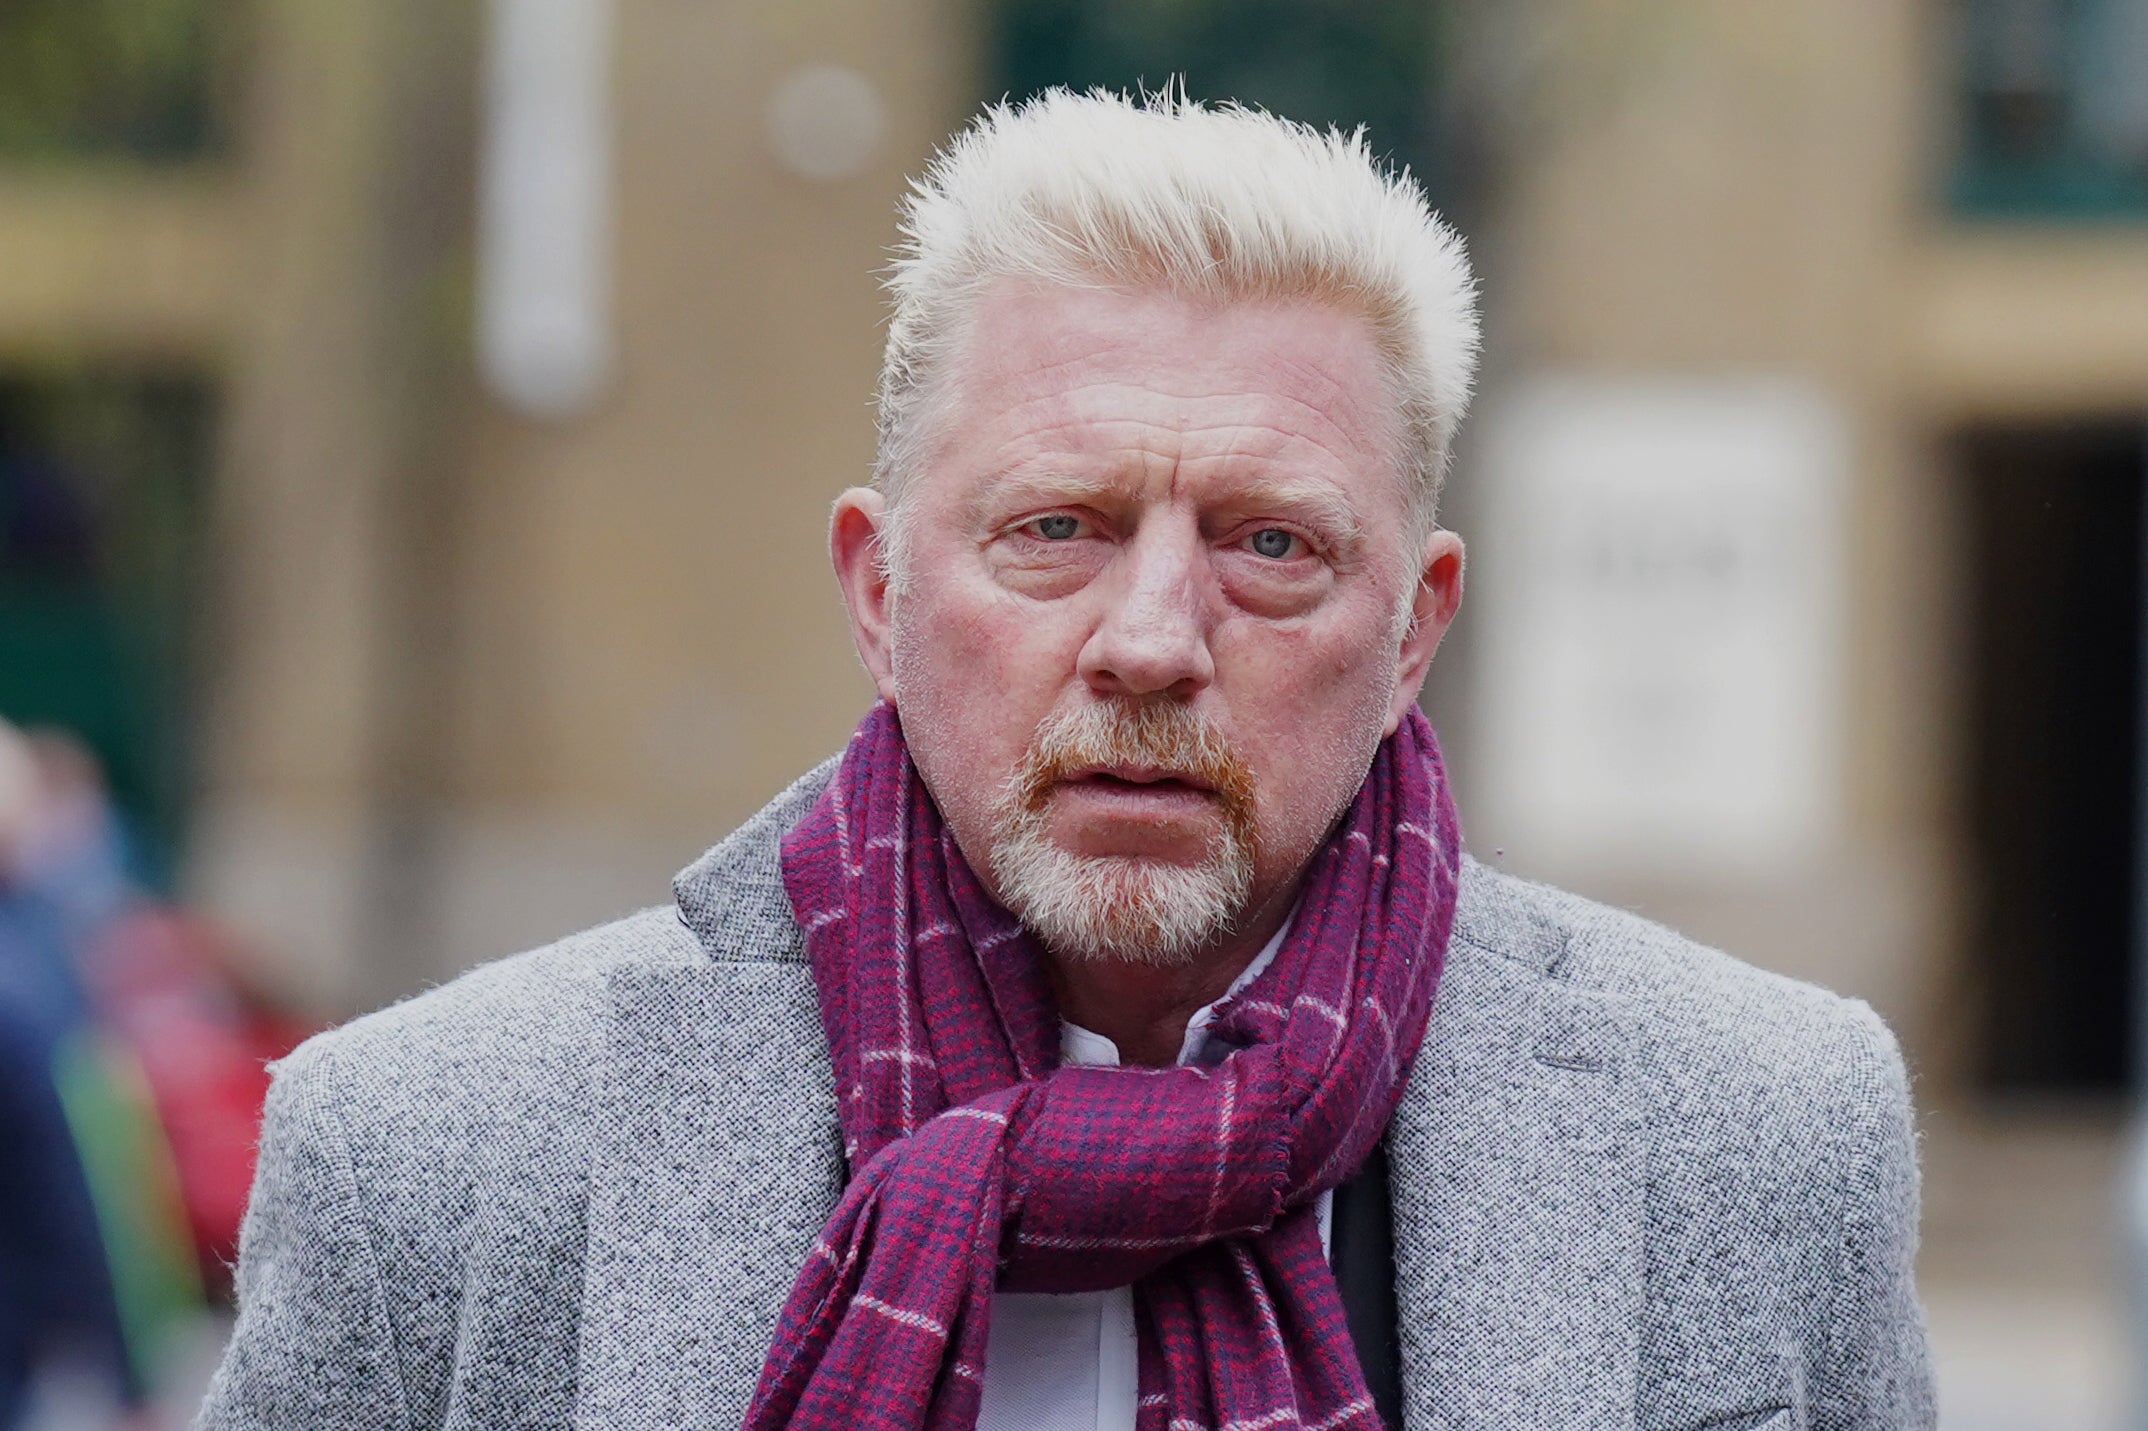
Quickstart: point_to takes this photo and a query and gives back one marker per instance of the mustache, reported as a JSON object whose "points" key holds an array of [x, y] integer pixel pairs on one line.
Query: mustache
{"points": [[1159, 735]]}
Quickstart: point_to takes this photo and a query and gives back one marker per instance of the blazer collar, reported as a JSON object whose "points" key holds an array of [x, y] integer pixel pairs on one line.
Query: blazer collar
{"points": [[1516, 1166], [733, 899]]}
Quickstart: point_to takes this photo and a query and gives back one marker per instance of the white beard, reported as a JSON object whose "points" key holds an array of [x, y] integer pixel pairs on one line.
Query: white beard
{"points": [[1138, 909], [1135, 908]]}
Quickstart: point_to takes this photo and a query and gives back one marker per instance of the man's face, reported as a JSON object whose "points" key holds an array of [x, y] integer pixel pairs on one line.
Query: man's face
{"points": [[1141, 512]]}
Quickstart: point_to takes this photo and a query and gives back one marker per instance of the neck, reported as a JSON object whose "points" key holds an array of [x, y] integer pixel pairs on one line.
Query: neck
{"points": [[1144, 1008]]}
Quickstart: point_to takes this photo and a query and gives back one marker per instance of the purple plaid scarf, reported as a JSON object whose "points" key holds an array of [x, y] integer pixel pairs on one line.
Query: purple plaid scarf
{"points": [[981, 1163]]}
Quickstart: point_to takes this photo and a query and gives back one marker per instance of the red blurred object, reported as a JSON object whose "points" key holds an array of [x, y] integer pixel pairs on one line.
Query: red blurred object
{"points": [[164, 982]]}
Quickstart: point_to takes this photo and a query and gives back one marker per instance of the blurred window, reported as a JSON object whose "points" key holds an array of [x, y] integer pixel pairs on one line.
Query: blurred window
{"points": [[109, 78], [102, 477], [2054, 108], [1323, 62]]}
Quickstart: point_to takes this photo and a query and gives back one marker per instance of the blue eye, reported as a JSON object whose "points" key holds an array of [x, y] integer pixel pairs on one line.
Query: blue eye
{"points": [[1273, 542], [1058, 527]]}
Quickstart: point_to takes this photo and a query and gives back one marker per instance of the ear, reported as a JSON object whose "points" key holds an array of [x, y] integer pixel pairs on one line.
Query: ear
{"points": [[854, 548], [1432, 607]]}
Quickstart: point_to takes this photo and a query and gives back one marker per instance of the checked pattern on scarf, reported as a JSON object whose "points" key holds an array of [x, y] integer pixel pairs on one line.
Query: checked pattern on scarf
{"points": [[980, 1162]]}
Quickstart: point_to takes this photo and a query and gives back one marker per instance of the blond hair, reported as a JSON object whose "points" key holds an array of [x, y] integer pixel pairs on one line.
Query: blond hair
{"points": [[1224, 203]]}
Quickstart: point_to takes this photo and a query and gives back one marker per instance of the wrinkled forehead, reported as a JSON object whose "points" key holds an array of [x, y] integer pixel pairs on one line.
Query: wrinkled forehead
{"points": [[1121, 386]]}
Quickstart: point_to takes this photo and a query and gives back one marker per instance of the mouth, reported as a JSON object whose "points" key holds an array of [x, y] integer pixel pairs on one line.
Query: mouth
{"points": [[1106, 802], [1163, 787], [1140, 779]]}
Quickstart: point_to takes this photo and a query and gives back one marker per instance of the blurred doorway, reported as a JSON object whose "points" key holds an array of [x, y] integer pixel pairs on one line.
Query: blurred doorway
{"points": [[2055, 522]]}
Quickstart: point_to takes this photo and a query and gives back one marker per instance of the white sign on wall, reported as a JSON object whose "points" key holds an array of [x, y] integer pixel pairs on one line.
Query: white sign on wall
{"points": [[1657, 583]]}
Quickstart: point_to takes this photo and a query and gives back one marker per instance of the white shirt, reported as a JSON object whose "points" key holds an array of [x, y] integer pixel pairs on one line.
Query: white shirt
{"points": [[1069, 1362]]}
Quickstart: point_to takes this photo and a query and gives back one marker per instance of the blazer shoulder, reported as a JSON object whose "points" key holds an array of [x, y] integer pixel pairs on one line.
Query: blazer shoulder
{"points": [[1702, 1010], [432, 1090], [459, 1121], [473, 1033], [1781, 1186], [1757, 1087]]}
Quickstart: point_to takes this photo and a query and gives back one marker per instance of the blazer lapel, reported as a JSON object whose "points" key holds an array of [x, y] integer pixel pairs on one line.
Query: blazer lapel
{"points": [[1517, 1166], [717, 1156], [717, 1162]]}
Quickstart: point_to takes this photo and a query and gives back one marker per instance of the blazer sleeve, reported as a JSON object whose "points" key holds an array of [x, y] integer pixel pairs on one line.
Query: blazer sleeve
{"points": [[314, 1345], [1875, 1373]]}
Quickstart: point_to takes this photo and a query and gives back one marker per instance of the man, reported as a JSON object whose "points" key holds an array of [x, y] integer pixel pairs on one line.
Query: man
{"points": [[1148, 582]]}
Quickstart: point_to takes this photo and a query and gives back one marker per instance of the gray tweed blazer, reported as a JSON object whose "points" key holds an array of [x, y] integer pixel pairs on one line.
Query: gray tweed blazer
{"points": [[1636, 1184]]}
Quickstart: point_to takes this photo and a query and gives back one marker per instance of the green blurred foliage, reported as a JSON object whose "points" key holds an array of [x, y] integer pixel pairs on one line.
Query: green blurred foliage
{"points": [[103, 478], [128, 78], [1323, 62]]}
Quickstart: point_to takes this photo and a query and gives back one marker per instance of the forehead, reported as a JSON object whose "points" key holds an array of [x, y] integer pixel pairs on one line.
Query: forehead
{"points": [[1161, 383]]}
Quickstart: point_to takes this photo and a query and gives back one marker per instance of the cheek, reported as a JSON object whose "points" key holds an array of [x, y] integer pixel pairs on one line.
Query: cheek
{"points": [[964, 645], [942, 662], [937, 666], [974, 676], [1317, 708]]}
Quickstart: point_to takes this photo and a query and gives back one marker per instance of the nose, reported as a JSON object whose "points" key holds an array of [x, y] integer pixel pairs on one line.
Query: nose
{"points": [[1153, 636]]}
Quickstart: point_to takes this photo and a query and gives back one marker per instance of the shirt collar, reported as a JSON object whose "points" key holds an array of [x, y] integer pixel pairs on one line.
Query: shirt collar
{"points": [[1088, 1048]]}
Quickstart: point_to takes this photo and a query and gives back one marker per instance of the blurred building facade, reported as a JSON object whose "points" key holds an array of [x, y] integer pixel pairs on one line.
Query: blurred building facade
{"points": [[456, 675], [416, 626], [1894, 206], [458, 678]]}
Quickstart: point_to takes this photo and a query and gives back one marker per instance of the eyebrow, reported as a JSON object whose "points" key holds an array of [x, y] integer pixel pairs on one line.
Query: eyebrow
{"points": [[1026, 484], [1320, 503], [1316, 501]]}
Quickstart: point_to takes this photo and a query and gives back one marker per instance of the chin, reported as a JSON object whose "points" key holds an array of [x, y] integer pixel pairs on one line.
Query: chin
{"points": [[1130, 909]]}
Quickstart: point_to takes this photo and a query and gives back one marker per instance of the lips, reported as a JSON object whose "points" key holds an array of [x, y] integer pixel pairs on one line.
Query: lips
{"points": [[1139, 778], [1118, 798]]}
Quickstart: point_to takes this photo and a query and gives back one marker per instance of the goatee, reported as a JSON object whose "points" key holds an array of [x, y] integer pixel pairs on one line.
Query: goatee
{"points": [[1137, 908]]}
